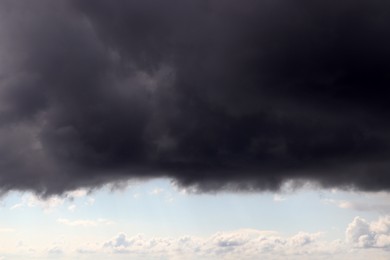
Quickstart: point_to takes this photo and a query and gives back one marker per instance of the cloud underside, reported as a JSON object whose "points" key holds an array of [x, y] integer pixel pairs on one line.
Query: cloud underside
{"points": [[214, 95]]}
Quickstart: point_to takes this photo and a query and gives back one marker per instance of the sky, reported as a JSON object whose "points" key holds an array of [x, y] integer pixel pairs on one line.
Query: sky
{"points": [[159, 220], [187, 129]]}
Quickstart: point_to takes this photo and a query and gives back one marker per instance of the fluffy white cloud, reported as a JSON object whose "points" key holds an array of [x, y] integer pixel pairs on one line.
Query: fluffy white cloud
{"points": [[364, 240], [364, 234], [241, 244]]}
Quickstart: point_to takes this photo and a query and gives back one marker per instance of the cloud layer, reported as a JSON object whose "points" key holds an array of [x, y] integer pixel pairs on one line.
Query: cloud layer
{"points": [[214, 95], [244, 244]]}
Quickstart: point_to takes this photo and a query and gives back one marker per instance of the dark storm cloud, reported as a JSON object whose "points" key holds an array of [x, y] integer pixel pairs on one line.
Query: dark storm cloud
{"points": [[214, 94]]}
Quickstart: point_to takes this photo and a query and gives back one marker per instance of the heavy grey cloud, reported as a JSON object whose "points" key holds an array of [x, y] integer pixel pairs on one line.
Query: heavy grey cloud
{"points": [[216, 95]]}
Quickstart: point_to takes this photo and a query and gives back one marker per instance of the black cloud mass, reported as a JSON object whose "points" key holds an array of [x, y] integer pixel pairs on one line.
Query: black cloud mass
{"points": [[236, 95]]}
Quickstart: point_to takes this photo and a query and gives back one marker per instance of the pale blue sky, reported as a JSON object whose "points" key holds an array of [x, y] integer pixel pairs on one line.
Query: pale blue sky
{"points": [[157, 209]]}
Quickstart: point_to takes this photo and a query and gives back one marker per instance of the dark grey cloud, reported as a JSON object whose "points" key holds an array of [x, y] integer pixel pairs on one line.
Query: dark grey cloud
{"points": [[216, 95]]}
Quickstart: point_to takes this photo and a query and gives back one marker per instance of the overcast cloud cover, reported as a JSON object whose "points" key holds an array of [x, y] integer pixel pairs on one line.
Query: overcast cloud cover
{"points": [[214, 94]]}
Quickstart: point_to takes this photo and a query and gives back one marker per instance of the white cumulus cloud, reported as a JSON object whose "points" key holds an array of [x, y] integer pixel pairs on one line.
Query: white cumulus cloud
{"points": [[364, 234], [240, 244]]}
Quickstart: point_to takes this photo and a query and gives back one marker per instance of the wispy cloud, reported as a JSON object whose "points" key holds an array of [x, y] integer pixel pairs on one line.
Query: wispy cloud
{"points": [[72, 207], [156, 191], [381, 207], [166, 195], [50, 203], [278, 198], [84, 222]]}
